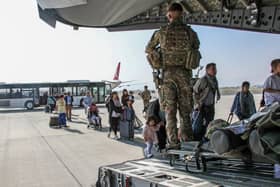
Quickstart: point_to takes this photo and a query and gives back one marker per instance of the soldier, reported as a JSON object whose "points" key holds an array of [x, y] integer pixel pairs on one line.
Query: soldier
{"points": [[146, 96], [173, 53]]}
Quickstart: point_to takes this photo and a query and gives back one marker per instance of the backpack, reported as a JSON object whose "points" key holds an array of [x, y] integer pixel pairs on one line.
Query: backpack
{"points": [[153, 109]]}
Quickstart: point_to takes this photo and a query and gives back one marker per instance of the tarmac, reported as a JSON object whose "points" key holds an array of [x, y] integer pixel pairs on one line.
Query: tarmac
{"points": [[32, 154]]}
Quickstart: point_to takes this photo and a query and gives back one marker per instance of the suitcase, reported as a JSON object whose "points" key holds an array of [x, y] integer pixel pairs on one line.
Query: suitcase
{"points": [[54, 122], [127, 129]]}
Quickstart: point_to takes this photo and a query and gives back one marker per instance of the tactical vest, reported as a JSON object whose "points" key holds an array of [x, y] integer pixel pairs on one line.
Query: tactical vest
{"points": [[176, 45]]}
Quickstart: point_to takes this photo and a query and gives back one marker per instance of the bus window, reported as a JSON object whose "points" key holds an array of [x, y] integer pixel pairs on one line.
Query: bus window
{"points": [[94, 91], [4, 93], [57, 91], [101, 94], [44, 91], [108, 90], [27, 93], [68, 89], [16, 93], [82, 90]]}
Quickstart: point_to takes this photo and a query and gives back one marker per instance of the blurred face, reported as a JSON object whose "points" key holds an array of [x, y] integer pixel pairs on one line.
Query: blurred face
{"points": [[173, 15], [212, 71], [152, 123], [115, 96], [245, 88], [125, 93], [277, 69], [88, 94], [129, 102]]}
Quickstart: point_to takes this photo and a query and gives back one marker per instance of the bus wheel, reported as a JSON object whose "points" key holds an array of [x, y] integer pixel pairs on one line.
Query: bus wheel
{"points": [[29, 105]]}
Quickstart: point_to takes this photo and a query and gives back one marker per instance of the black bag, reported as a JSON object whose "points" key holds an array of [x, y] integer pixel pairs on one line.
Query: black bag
{"points": [[161, 134], [54, 122], [154, 110]]}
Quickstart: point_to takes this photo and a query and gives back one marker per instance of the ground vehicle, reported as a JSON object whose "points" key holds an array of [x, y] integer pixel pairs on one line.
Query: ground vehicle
{"points": [[30, 95], [158, 172]]}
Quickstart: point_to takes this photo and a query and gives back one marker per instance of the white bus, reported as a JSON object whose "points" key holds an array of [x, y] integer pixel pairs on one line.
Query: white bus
{"points": [[30, 95]]}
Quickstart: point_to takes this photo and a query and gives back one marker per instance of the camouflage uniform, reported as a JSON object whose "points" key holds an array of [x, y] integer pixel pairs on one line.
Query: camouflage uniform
{"points": [[174, 41], [146, 96]]}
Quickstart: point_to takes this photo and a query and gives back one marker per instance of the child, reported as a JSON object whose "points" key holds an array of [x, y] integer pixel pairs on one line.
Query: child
{"points": [[93, 115], [130, 116], [61, 109], [150, 136]]}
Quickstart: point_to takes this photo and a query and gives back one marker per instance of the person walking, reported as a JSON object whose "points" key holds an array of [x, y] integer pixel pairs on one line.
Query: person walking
{"points": [[271, 86], [87, 101], [244, 103], [69, 104], [51, 102], [115, 110], [61, 110], [206, 92], [174, 52]]}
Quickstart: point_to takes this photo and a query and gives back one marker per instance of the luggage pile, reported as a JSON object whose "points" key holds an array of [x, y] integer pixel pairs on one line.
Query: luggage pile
{"points": [[256, 138]]}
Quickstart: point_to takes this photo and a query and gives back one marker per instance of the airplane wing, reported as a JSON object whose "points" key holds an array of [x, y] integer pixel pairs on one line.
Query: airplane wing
{"points": [[92, 13], [128, 85], [122, 15]]}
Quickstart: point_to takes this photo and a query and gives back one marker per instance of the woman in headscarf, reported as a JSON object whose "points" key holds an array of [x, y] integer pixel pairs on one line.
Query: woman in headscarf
{"points": [[115, 110], [125, 97]]}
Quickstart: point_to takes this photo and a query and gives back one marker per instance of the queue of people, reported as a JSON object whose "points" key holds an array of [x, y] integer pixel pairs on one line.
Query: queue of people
{"points": [[63, 104], [206, 94], [206, 89], [117, 109]]}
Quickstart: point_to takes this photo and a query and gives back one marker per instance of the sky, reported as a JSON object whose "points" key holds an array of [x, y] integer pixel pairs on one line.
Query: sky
{"points": [[32, 51]]}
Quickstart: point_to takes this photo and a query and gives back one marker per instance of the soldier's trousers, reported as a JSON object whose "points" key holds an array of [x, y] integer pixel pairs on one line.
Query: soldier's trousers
{"points": [[177, 94], [146, 103]]}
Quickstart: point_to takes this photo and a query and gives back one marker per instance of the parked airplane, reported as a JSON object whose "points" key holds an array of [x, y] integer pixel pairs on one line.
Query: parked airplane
{"points": [[117, 83]]}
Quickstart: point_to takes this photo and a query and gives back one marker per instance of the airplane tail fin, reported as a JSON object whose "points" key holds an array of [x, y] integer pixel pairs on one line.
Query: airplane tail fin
{"points": [[117, 74]]}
